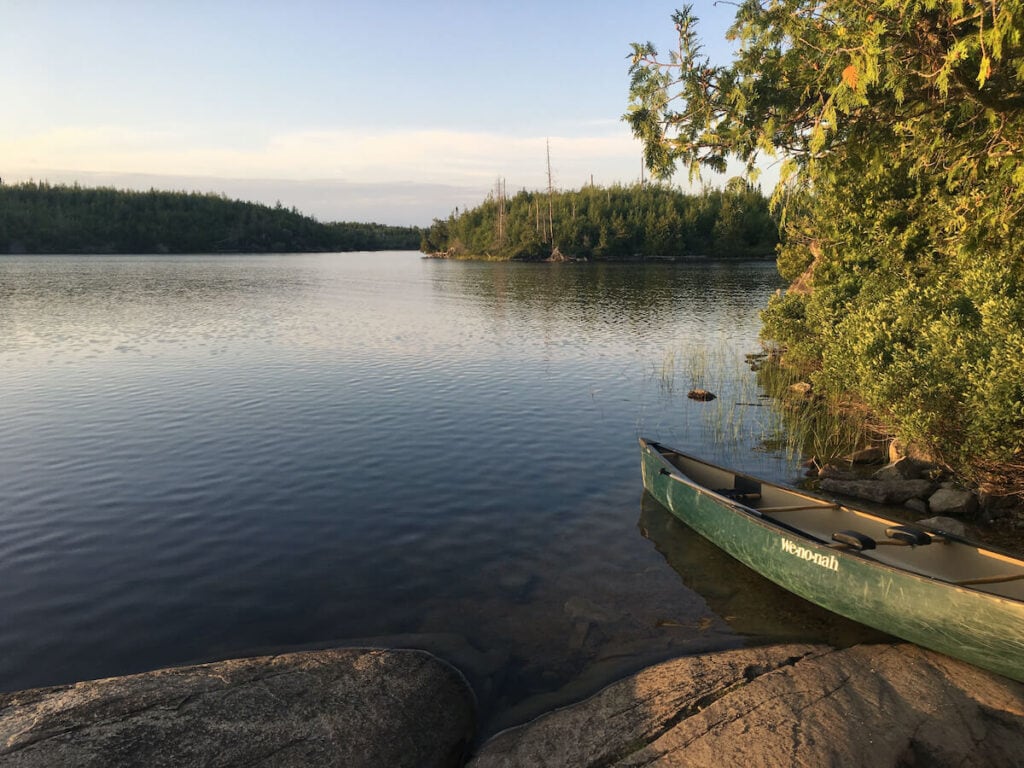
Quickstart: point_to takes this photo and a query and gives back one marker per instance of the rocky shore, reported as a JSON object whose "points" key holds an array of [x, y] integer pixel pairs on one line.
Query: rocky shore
{"points": [[340, 707], [889, 472], [929, 496], [868, 705]]}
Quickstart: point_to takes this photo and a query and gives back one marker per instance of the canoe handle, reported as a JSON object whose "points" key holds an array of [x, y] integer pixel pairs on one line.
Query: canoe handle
{"points": [[853, 540], [907, 534]]}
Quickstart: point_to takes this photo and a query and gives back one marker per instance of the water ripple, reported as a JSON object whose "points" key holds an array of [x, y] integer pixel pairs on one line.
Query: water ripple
{"points": [[202, 457]]}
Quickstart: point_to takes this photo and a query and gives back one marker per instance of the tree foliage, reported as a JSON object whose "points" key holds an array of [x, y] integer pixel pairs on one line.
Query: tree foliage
{"points": [[611, 224], [899, 126], [40, 218]]}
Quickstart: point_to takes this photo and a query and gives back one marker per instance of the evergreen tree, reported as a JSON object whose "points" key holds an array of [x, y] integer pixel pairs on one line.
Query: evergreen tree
{"points": [[610, 224], [40, 218]]}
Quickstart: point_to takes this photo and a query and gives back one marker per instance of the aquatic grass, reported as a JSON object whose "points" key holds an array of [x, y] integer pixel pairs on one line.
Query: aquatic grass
{"points": [[757, 407], [668, 373], [819, 427]]}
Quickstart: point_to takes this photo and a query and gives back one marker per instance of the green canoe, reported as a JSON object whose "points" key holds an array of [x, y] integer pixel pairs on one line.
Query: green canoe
{"points": [[925, 586]]}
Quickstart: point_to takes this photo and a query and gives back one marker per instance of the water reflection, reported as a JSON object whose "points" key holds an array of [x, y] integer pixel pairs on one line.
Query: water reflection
{"points": [[752, 605], [715, 294]]}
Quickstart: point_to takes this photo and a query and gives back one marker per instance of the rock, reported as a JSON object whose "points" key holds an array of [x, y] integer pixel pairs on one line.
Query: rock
{"points": [[898, 450], [881, 491], [833, 472], [953, 501], [902, 469], [867, 456], [944, 525], [701, 394], [920, 506], [801, 388], [351, 707], [868, 705]]}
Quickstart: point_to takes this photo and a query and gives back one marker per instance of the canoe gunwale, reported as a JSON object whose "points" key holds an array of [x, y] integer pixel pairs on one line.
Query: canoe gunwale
{"points": [[981, 627], [780, 527]]}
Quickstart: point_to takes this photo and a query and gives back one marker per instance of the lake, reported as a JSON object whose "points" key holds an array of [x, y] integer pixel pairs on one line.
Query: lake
{"points": [[204, 457]]}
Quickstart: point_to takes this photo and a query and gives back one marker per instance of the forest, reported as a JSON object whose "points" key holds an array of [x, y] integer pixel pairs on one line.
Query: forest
{"points": [[38, 217], [618, 223]]}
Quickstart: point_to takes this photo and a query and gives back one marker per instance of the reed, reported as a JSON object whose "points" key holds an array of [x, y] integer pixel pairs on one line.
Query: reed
{"points": [[756, 406]]}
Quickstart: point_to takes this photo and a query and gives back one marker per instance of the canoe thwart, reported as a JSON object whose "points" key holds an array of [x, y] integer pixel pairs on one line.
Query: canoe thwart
{"points": [[737, 494], [854, 540], [908, 534]]}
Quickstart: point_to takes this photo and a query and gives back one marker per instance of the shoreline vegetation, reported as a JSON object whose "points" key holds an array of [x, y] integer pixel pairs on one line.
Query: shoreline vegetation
{"points": [[900, 134], [39, 218], [641, 222]]}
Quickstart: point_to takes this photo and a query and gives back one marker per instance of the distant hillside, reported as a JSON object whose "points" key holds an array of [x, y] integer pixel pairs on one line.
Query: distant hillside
{"points": [[40, 218], [618, 223]]}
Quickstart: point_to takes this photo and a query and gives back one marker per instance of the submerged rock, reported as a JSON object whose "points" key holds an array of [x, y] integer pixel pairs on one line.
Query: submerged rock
{"points": [[351, 707], [868, 705], [701, 394]]}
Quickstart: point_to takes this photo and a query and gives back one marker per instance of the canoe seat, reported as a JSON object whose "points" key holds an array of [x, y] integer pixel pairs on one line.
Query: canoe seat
{"points": [[854, 540], [907, 534]]}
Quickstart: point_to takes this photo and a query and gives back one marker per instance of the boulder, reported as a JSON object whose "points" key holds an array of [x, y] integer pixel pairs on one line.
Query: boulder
{"points": [[901, 469], [341, 707], [872, 455], [881, 491], [898, 450], [953, 501], [868, 705]]}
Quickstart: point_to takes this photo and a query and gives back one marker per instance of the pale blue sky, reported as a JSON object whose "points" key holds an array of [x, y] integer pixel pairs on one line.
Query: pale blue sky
{"points": [[387, 111]]}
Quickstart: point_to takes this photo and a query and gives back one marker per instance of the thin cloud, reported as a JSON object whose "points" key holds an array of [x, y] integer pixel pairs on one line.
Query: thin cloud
{"points": [[426, 156]]}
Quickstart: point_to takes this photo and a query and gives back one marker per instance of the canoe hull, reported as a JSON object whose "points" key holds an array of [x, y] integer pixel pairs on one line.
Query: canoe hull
{"points": [[983, 629]]}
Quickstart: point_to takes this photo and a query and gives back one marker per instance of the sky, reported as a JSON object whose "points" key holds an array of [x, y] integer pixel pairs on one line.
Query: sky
{"points": [[387, 111]]}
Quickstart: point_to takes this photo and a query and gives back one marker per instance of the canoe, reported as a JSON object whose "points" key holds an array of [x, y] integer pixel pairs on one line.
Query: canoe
{"points": [[922, 585]]}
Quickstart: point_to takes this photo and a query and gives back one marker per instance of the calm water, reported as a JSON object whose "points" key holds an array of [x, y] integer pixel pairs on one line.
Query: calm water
{"points": [[206, 457]]}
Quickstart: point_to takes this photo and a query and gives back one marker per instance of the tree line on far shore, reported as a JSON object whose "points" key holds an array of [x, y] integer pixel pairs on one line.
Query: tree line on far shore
{"points": [[638, 222], [37, 217]]}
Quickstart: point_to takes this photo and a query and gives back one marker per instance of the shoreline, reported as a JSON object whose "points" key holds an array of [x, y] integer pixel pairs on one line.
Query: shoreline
{"points": [[370, 707]]}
